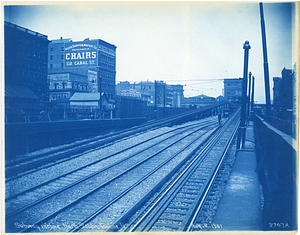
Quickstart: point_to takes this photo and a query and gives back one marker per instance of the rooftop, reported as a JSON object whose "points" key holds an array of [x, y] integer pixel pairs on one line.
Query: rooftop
{"points": [[25, 30]]}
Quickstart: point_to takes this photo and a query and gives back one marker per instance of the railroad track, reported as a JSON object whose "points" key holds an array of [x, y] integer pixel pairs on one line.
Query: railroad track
{"points": [[84, 187], [13, 188], [179, 206], [27, 165]]}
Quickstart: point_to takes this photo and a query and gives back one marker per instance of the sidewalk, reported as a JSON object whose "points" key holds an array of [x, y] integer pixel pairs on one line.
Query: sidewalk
{"points": [[240, 205]]}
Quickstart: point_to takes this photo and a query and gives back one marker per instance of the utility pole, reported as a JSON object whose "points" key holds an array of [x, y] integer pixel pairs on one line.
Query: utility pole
{"points": [[266, 66], [164, 99], [100, 90], [248, 97], [242, 128], [155, 95], [252, 95]]}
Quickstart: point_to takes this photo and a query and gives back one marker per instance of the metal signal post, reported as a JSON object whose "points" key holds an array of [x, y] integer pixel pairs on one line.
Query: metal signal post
{"points": [[242, 127]]}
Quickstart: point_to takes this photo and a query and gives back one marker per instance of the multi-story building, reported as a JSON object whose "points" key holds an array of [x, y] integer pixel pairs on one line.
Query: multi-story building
{"points": [[25, 60], [147, 91], [283, 94], [94, 61], [233, 89], [155, 93], [276, 82], [177, 95]]}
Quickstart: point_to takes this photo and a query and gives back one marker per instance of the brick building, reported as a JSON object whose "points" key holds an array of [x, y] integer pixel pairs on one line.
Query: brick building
{"points": [[94, 61], [233, 89], [25, 61], [283, 94], [156, 93]]}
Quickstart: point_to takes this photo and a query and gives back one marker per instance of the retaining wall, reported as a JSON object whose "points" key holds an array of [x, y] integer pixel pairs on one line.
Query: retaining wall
{"points": [[21, 138], [277, 169]]}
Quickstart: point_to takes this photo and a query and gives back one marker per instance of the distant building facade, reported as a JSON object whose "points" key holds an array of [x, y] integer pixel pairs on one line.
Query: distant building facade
{"points": [[233, 89], [64, 85], [177, 95], [283, 94], [198, 101], [155, 93], [25, 62], [92, 61], [276, 85], [26, 59], [147, 91]]}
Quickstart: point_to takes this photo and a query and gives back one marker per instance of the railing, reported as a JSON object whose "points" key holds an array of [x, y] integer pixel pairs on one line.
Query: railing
{"points": [[280, 124]]}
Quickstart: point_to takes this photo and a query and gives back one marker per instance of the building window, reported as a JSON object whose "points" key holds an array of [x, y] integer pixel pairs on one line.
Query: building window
{"points": [[62, 57], [51, 57], [51, 49], [62, 49], [51, 66], [62, 65]]}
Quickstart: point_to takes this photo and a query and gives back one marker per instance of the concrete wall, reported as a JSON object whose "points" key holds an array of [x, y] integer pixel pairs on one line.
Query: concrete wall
{"points": [[277, 161], [21, 138]]}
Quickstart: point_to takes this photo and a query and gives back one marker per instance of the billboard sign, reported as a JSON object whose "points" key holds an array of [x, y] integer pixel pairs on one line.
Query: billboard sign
{"points": [[81, 54]]}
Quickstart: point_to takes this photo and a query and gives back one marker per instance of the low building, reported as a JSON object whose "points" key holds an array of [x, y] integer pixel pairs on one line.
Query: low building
{"points": [[123, 86], [85, 100], [64, 85], [198, 101]]}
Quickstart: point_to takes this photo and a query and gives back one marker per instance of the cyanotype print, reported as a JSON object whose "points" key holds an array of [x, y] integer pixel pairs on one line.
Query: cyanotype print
{"points": [[150, 117]]}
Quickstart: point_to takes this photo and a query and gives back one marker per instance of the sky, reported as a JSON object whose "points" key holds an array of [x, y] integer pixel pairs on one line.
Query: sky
{"points": [[195, 44]]}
